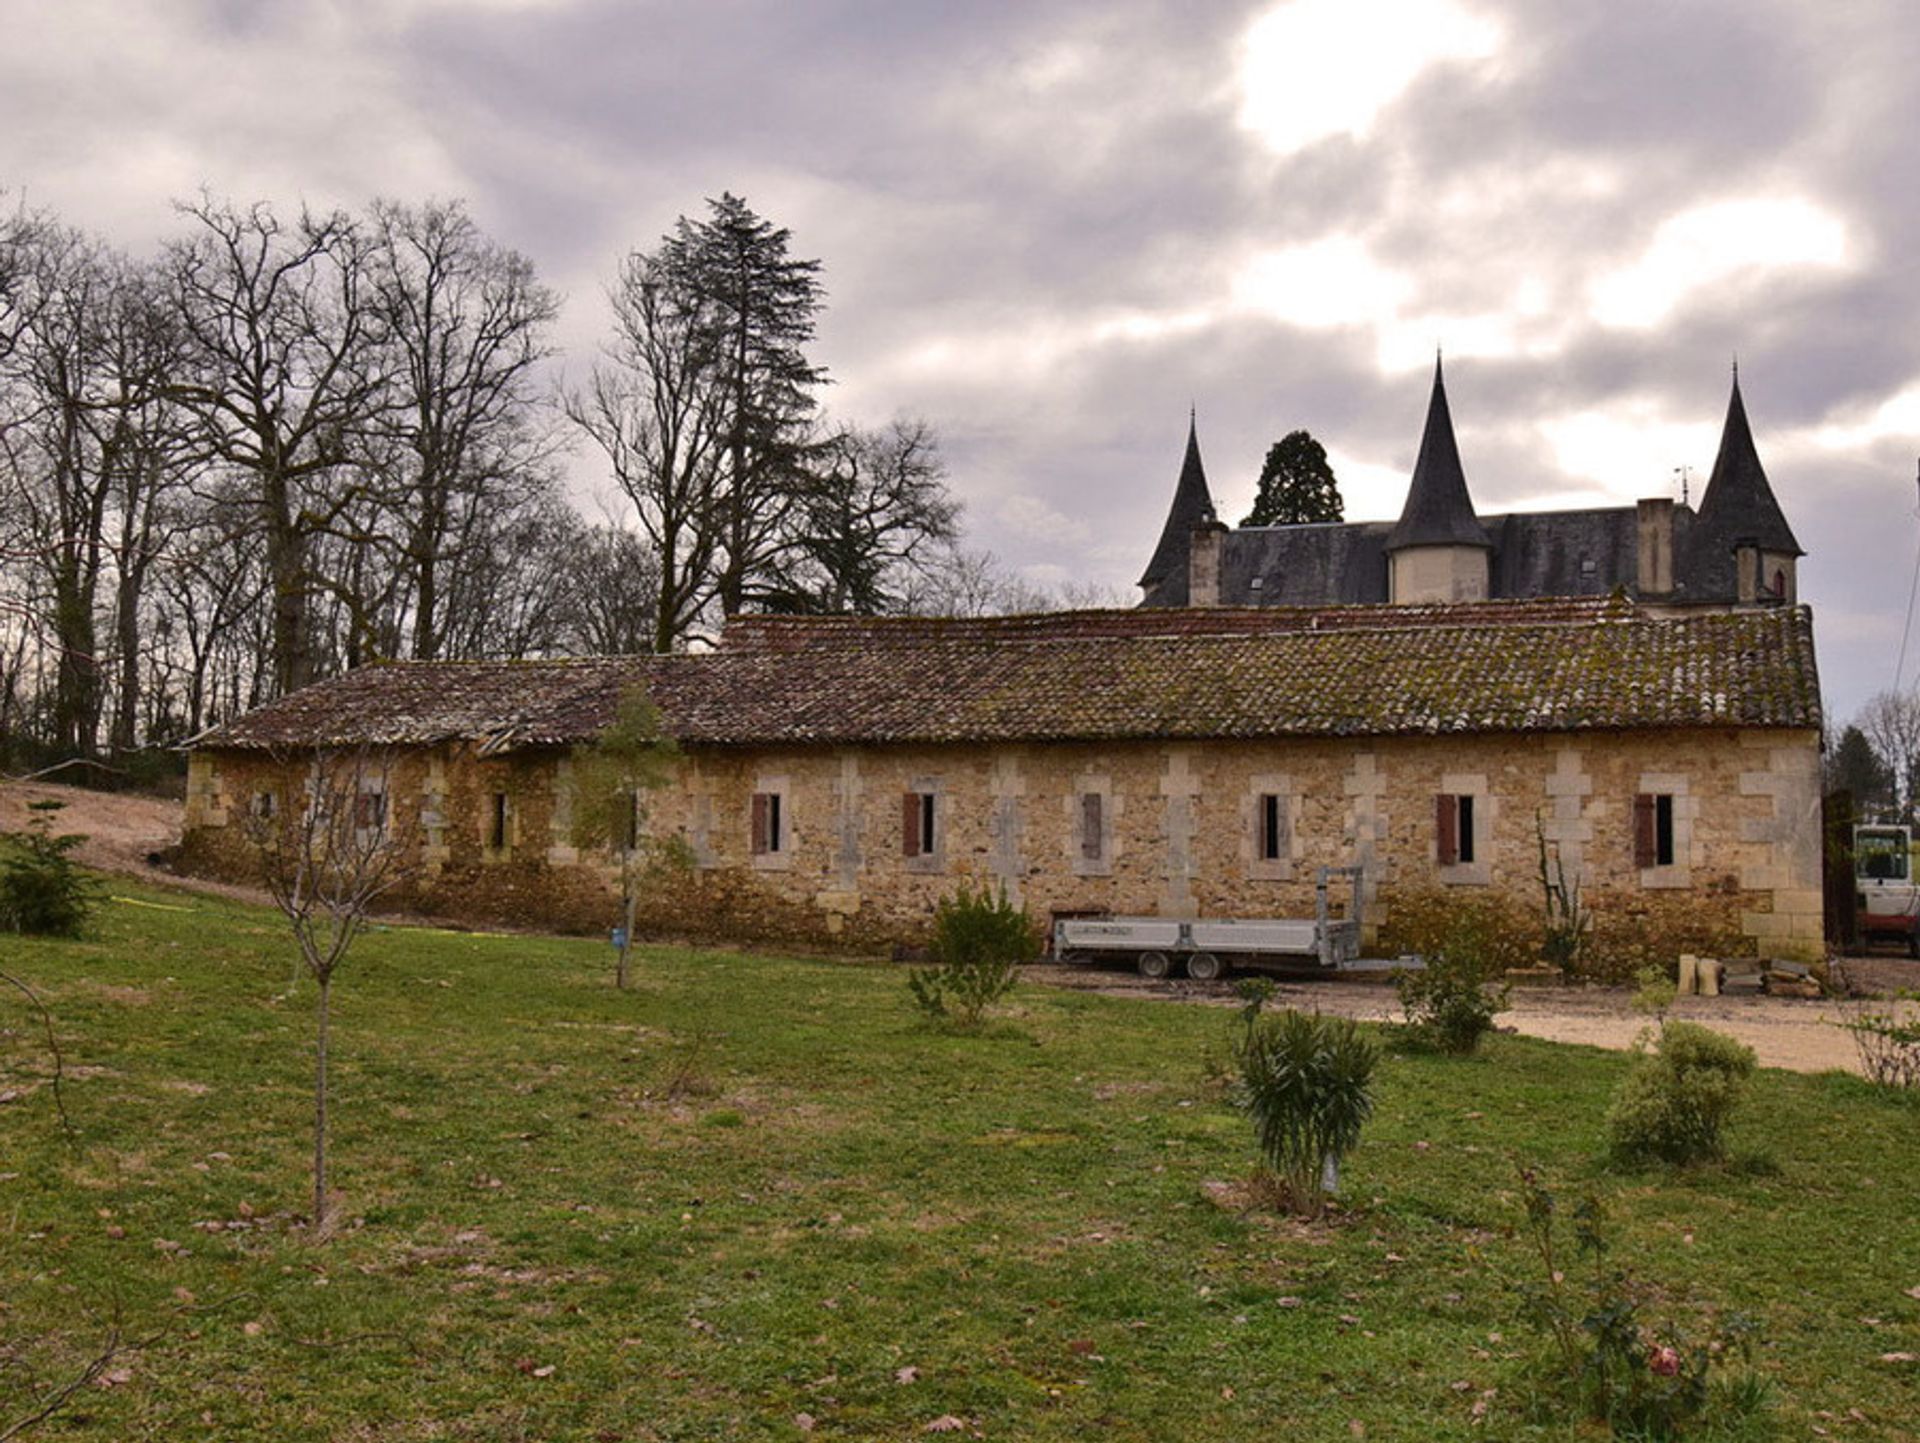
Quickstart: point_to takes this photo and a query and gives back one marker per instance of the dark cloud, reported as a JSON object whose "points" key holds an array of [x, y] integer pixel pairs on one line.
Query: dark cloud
{"points": [[1036, 220]]}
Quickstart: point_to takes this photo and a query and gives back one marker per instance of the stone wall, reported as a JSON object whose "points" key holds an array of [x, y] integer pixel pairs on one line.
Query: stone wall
{"points": [[1179, 830]]}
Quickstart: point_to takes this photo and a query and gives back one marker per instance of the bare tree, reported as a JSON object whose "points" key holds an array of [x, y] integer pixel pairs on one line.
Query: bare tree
{"points": [[326, 857], [284, 341], [466, 324], [1891, 722], [877, 517], [651, 407]]}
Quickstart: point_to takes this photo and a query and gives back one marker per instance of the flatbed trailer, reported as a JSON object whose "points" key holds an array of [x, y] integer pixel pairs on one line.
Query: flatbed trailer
{"points": [[1206, 949]]}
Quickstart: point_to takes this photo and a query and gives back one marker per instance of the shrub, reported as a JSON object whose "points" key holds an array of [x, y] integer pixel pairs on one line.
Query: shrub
{"points": [[1643, 1379], [1450, 1004], [1307, 1083], [1888, 1044], [43, 892], [979, 941], [1675, 1101]]}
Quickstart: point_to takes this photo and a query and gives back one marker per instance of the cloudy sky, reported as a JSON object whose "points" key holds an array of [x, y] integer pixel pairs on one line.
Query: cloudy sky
{"points": [[1049, 226]]}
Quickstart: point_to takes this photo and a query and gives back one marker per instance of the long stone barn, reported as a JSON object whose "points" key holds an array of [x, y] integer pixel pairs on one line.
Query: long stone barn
{"points": [[837, 776]]}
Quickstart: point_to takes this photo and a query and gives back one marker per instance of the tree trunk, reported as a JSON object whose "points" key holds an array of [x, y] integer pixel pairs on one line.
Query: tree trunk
{"points": [[320, 1113], [621, 975]]}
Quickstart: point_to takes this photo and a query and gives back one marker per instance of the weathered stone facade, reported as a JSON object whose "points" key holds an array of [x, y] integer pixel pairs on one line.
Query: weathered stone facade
{"points": [[1181, 828]]}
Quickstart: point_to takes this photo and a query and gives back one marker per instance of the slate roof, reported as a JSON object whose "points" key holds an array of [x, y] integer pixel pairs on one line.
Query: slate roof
{"points": [[1439, 512], [1192, 505], [1106, 675], [1738, 507]]}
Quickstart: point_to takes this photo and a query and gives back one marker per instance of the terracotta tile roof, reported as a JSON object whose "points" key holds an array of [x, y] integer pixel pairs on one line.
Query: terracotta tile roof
{"points": [[1233, 673]]}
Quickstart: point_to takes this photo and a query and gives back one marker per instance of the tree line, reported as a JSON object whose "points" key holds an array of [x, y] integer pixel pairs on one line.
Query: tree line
{"points": [[287, 444]]}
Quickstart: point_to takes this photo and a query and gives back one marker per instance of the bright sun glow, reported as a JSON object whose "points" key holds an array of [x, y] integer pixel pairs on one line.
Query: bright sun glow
{"points": [[1315, 68], [1716, 242], [1321, 285]]}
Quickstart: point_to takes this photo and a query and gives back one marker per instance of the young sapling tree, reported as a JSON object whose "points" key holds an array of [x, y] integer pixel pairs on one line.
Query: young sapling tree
{"points": [[612, 778], [326, 858]]}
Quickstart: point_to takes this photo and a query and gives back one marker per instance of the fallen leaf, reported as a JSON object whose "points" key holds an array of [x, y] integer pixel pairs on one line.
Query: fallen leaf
{"points": [[907, 1374], [1914, 1292], [115, 1378], [1900, 1357], [1080, 1346], [545, 1370], [803, 1421], [253, 1327], [945, 1423]]}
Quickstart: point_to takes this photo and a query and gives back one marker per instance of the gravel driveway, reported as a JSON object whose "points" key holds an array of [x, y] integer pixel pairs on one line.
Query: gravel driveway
{"points": [[1797, 1035]]}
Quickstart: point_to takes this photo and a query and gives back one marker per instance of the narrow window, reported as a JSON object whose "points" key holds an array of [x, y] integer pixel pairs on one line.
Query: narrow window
{"points": [[370, 811], [1273, 827], [769, 835], [1453, 826], [1092, 844], [263, 805], [917, 824], [1653, 830], [497, 818]]}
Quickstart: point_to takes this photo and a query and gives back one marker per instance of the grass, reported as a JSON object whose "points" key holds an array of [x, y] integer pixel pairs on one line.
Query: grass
{"points": [[753, 1189]]}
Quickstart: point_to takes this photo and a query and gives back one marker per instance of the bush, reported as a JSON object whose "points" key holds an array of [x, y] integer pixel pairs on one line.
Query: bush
{"points": [[1307, 1083], [1675, 1101], [1888, 1044], [979, 942], [43, 892], [1450, 1004], [1643, 1379]]}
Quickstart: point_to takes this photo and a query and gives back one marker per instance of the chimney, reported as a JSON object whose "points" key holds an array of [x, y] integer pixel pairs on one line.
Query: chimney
{"points": [[1654, 525], [1203, 563]]}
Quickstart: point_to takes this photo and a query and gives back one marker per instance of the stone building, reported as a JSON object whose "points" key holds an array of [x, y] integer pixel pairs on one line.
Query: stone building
{"points": [[839, 775], [1736, 550]]}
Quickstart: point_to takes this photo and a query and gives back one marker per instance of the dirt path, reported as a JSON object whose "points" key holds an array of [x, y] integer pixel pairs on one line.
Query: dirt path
{"points": [[1783, 1032], [123, 830]]}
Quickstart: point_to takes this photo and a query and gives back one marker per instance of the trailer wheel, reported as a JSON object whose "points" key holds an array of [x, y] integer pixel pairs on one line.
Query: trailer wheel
{"points": [[1074, 959], [1154, 965], [1203, 967]]}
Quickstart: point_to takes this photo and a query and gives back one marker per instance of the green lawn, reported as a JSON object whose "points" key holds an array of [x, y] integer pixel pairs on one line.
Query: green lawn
{"points": [[847, 1218]]}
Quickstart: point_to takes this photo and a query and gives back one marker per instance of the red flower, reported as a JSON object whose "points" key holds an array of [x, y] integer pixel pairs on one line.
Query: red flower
{"points": [[1664, 1361]]}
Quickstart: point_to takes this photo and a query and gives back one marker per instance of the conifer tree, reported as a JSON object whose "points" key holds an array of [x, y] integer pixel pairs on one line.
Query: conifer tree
{"points": [[1296, 484]]}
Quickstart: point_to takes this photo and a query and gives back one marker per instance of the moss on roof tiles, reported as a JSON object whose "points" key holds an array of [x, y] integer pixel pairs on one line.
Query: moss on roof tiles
{"points": [[1347, 671]]}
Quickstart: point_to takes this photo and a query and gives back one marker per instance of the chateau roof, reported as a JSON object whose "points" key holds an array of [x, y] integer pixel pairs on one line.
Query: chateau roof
{"points": [[1738, 508], [1192, 505], [1439, 512], [1539, 666]]}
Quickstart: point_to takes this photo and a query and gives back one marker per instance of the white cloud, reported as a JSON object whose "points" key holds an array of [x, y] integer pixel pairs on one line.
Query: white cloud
{"points": [[1322, 285], [1630, 450], [1715, 242], [1314, 68]]}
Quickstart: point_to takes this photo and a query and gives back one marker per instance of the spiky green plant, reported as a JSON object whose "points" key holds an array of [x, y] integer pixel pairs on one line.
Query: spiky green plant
{"points": [[1306, 1081]]}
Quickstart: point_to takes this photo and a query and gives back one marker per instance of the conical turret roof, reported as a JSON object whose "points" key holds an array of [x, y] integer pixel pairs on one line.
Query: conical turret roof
{"points": [[1192, 504], [1738, 508], [1439, 512]]}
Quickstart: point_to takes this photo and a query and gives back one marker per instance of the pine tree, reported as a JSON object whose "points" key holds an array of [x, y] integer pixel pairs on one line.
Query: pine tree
{"points": [[1296, 484], [756, 306]]}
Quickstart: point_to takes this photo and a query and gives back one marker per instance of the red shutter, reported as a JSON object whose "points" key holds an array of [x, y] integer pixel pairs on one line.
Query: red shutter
{"points": [[1446, 828], [1646, 844], [759, 824], [1090, 826], [910, 825]]}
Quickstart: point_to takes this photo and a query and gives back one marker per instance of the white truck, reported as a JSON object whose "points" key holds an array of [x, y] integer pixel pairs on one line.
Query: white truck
{"points": [[1888, 902], [1206, 949]]}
